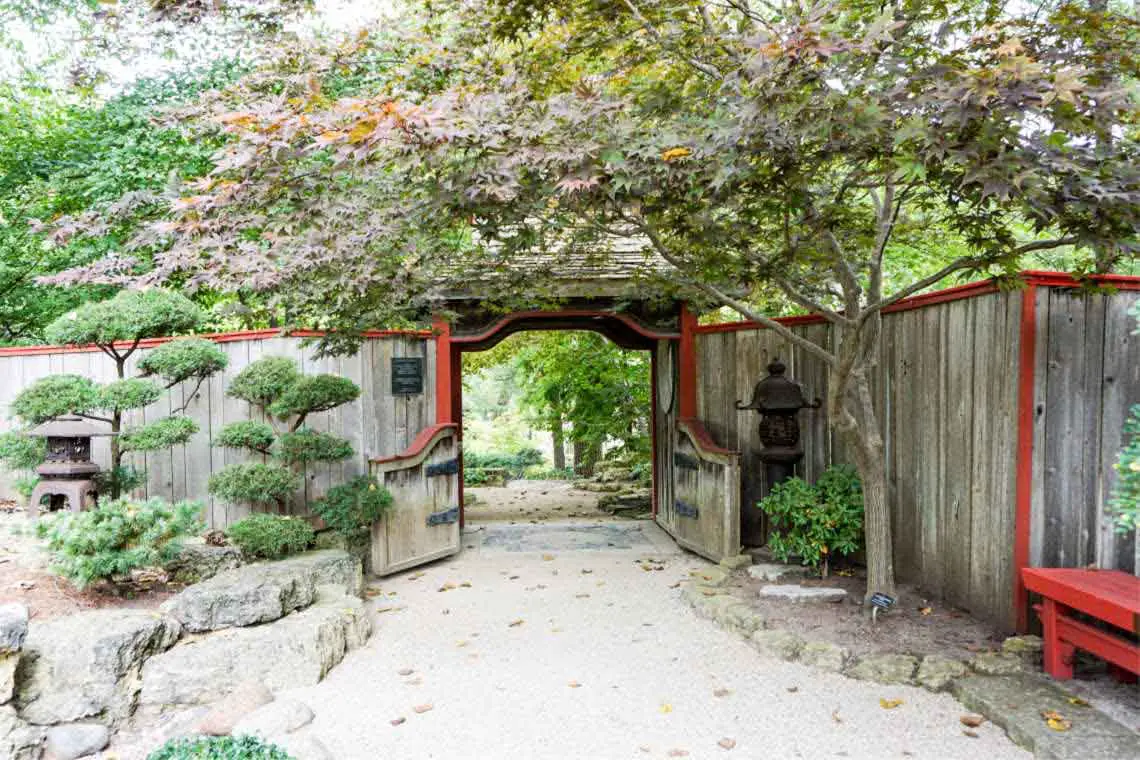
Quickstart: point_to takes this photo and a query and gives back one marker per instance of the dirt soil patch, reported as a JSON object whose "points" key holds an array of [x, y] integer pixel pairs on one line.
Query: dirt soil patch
{"points": [[916, 625], [25, 576]]}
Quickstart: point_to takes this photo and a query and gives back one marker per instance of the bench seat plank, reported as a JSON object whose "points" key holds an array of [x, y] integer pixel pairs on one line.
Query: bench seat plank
{"points": [[1109, 595]]}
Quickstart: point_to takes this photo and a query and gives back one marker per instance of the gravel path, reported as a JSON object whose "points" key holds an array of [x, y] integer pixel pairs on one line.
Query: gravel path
{"points": [[568, 643]]}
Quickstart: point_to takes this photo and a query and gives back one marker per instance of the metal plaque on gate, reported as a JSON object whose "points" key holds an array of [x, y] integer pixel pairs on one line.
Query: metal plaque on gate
{"points": [[407, 375]]}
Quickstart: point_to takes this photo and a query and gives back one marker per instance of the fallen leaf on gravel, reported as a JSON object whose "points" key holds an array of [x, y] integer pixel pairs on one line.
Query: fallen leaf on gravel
{"points": [[722, 692], [1079, 702], [515, 623], [678, 753], [889, 704], [574, 685], [461, 643], [666, 707], [1056, 721], [709, 593], [415, 576], [547, 557], [447, 587], [556, 630], [793, 689], [423, 708], [835, 716], [969, 733], [586, 571], [397, 721], [973, 721], [675, 585], [727, 743], [600, 583], [465, 584], [414, 681], [513, 578], [405, 671], [581, 596], [372, 592], [645, 748], [925, 610]]}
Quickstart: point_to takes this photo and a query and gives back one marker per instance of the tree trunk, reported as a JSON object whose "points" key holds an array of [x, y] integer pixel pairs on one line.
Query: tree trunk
{"points": [[559, 436]]}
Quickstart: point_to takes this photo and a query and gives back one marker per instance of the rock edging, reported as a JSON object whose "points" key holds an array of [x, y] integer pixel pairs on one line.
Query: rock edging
{"points": [[990, 683]]}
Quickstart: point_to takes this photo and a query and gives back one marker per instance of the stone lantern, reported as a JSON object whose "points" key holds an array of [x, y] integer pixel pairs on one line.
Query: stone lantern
{"points": [[779, 400], [67, 472]]}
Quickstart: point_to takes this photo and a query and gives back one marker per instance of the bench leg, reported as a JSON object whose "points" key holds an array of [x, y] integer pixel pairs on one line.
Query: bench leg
{"points": [[1058, 654]]}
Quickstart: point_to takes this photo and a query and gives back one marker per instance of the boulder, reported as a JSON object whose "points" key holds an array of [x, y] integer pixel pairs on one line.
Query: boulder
{"points": [[297, 650], [995, 664], [793, 593], [739, 617], [74, 740], [198, 561], [783, 645], [628, 502], [19, 740], [885, 668], [711, 576], [247, 698], [1028, 648], [263, 592], [13, 627], [771, 572], [277, 718], [824, 655], [303, 747], [87, 664], [8, 663], [938, 673]]}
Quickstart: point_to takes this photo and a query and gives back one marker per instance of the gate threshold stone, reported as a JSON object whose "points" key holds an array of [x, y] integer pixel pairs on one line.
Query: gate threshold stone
{"points": [[1015, 703]]}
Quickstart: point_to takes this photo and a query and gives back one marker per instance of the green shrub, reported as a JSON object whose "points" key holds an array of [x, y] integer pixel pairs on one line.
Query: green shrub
{"points": [[515, 463], [118, 480], [816, 522], [264, 380], [247, 434], [271, 536], [25, 484], [160, 434], [132, 393], [1125, 502], [316, 393], [254, 483], [306, 445], [184, 359], [116, 537], [53, 396], [542, 472], [219, 748], [22, 452], [351, 508]]}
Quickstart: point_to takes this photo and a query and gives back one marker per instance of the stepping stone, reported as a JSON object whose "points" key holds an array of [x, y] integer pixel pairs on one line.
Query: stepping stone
{"points": [[772, 572], [793, 593]]}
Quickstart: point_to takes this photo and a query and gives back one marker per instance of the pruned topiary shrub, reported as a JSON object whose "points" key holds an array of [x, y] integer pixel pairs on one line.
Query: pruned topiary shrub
{"points": [[219, 748], [275, 385], [108, 542], [264, 536], [351, 508]]}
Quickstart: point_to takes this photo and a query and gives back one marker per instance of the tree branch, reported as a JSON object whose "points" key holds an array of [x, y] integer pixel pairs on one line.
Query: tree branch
{"points": [[646, 24]]}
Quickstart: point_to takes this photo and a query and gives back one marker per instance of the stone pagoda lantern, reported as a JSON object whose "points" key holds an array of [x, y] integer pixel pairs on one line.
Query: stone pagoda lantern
{"points": [[67, 472], [779, 400]]}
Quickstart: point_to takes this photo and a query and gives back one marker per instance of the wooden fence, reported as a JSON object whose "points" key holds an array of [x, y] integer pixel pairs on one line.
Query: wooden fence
{"points": [[377, 424], [984, 476]]}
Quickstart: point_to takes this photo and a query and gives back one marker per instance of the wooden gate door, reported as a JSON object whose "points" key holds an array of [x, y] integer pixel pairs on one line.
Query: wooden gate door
{"points": [[423, 524], [698, 482]]}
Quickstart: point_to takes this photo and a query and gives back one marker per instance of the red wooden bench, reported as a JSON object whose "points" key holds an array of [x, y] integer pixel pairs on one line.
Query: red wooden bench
{"points": [[1111, 596]]}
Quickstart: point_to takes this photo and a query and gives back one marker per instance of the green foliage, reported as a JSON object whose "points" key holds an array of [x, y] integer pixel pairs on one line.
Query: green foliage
{"points": [[351, 508], [131, 315], [118, 480], [184, 359], [254, 483], [25, 484], [304, 445], [247, 434], [816, 522], [1124, 504], [264, 381], [116, 537], [219, 748], [513, 464], [271, 536], [314, 393], [131, 393], [22, 452], [54, 396], [542, 472], [158, 435]]}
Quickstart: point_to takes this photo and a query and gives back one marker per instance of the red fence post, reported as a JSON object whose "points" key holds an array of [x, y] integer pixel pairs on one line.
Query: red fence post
{"points": [[1026, 389], [687, 366]]}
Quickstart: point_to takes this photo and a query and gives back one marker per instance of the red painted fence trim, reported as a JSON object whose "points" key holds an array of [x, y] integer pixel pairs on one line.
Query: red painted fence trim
{"points": [[444, 412], [226, 337], [687, 366], [1023, 505], [416, 447], [526, 316]]}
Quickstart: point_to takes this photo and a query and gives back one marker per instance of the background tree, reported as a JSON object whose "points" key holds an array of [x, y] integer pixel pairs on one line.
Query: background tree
{"points": [[285, 398], [117, 327], [803, 148]]}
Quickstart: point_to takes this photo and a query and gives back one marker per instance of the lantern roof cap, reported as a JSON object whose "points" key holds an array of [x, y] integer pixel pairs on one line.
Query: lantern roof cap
{"points": [[68, 426]]}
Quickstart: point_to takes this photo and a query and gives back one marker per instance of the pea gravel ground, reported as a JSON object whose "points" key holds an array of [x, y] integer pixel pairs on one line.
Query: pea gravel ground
{"points": [[563, 640]]}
